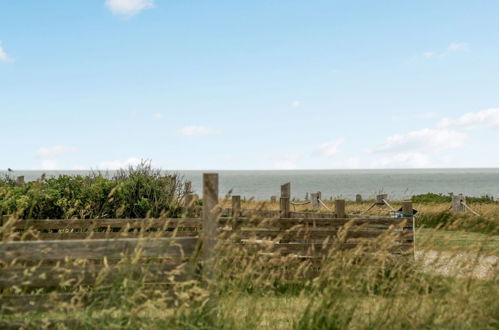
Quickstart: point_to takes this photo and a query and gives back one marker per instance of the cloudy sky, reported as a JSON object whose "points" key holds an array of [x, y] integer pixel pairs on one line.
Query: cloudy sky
{"points": [[263, 84]]}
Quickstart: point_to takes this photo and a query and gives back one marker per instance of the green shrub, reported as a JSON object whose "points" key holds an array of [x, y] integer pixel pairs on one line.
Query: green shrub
{"points": [[133, 193]]}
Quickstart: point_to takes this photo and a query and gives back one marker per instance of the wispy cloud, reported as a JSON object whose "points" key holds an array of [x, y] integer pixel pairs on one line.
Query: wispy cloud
{"points": [[330, 149], [453, 47], [295, 104], [488, 118], [128, 8], [3, 55], [157, 115], [195, 130], [423, 140], [117, 164], [55, 151]]}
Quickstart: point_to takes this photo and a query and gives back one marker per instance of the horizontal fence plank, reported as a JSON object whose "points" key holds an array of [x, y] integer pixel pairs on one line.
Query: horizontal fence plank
{"points": [[101, 235], [74, 275], [318, 249], [98, 248], [315, 234], [104, 223]]}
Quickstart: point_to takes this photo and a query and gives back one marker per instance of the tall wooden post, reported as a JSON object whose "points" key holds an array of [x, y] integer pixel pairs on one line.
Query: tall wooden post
{"points": [[236, 211], [315, 200], [187, 187], [210, 215], [408, 213], [188, 204], [457, 203], [285, 207], [339, 205], [358, 198], [286, 190]]}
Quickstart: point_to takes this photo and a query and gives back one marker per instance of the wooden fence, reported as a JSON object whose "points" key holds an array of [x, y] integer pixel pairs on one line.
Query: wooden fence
{"points": [[173, 243]]}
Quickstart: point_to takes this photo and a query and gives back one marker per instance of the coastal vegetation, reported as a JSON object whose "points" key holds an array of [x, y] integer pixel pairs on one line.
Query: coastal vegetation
{"points": [[443, 286]]}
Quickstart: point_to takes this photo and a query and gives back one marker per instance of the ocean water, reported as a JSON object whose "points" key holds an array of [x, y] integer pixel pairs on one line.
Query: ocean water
{"points": [[398, 184]]}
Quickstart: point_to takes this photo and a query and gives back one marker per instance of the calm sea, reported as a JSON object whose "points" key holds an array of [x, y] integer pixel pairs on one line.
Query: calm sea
{"points": [[398, 184]]}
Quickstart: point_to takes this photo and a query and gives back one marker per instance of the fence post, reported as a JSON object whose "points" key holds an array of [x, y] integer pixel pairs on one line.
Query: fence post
{"points": [[273, 199], [380, 199], [358, 198], [339, 205], [285, 206], [187, 187], [457, 203], [236, 211], [286, 190], [20, 180], [210, 215], [408, 213], [315, 200], [188, 204]]}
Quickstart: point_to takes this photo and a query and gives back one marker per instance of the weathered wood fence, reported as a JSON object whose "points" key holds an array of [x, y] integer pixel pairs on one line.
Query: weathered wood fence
{"points": [[175, 242]]}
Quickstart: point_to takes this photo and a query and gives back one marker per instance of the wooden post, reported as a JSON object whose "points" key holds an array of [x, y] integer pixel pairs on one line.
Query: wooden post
{"points": [[285, 207], [273, 199], [379, 199], [407, 209], [457, 203], [20, 180], [210, 215], [306, 196], [188, 204], [286, 190], [315, 200], [358, 198], [339, 205], [236, 206], [236, 211], [187, 187]]}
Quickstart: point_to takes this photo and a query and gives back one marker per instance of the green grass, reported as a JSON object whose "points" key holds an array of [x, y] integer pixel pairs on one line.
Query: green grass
{"points": [[449, 240]]}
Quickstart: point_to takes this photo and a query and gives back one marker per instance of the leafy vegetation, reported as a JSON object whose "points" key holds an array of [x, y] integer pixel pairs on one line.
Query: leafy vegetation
{"points": [[133, 193]]}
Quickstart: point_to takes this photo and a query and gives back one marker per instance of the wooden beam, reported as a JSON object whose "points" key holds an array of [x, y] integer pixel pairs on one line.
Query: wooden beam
{"points": [[339, 205]]}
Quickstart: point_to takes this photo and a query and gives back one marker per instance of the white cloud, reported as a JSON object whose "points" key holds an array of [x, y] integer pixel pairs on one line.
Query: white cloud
{"points": [[424, 140], [488, 118], [117, 164], [49, 165], [453, 47], [295, 104], [128, 8], [157, 115], [330, 149], [55, 151], [194, 130], [458, 47], [405, 160], [3, 55]]}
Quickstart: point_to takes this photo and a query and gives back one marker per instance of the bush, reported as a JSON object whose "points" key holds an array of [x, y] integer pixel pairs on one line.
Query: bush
{"points": [[137, 192]]}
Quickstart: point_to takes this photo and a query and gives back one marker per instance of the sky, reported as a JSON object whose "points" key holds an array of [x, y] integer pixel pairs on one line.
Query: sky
{"points": [[262, 84]]}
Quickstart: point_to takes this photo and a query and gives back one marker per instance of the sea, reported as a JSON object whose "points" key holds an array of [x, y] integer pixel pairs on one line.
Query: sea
{"points": [[397, 183]]}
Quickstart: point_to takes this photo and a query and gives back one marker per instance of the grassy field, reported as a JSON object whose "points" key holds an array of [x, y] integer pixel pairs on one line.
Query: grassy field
{"points": [[452, 283]]}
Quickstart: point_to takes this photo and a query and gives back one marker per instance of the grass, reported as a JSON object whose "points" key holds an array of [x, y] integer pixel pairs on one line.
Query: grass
{"points": [[456, 241]]}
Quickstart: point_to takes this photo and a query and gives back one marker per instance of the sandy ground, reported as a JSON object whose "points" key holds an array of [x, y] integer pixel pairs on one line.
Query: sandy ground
{"points": [[460, 264]]}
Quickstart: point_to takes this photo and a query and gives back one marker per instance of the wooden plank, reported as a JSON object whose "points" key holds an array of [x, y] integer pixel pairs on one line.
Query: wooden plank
{"points": [[333, 222], [114, 223], [318, 249], [314, 234], [98, 248], [65, 276], [29, 236]]}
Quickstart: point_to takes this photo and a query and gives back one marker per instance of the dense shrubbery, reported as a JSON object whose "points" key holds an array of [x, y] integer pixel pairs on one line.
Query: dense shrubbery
{"points": [[134, 193], [441, 198]]}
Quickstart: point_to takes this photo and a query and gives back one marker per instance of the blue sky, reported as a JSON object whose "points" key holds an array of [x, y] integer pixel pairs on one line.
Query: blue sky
{"points": [[249, 84]]}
